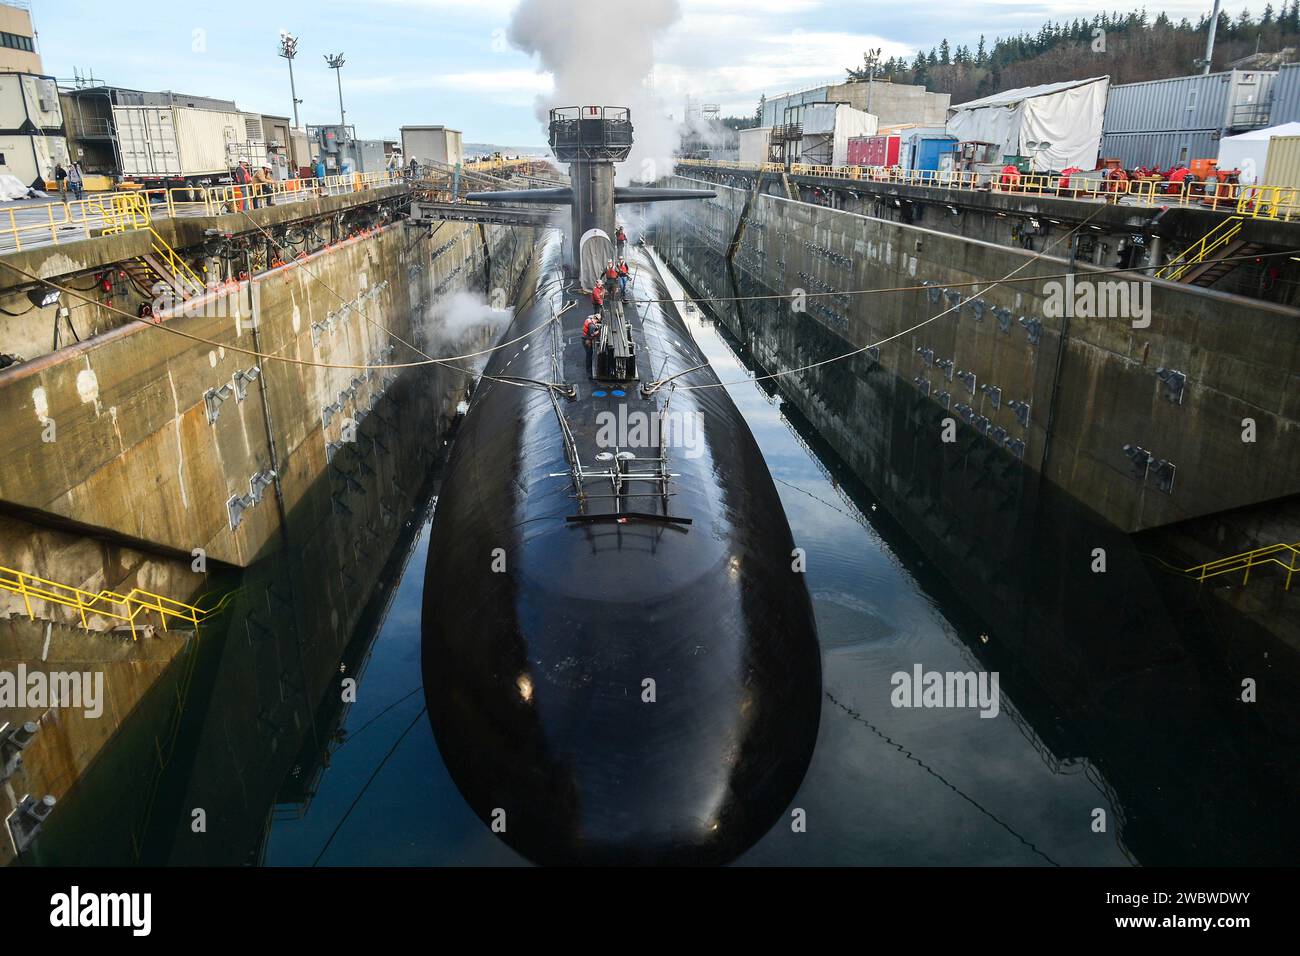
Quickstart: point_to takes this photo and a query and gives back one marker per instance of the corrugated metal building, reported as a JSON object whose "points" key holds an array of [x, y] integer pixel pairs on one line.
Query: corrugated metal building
{"points": [[1286, 95], [1166, 122], [775, 109]]}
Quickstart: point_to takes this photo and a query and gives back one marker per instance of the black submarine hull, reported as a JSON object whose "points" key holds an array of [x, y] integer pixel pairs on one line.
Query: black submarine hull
{"points": [[615, 691]]}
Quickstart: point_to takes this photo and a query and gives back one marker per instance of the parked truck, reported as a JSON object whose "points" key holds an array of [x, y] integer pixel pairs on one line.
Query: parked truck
{"points": [[170, 146]]}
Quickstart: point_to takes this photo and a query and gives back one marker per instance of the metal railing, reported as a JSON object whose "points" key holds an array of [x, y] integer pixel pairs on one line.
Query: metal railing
{"points": [[1256, 202], [1284, 556], [59, 222], [1218, 237], [108, 604]]}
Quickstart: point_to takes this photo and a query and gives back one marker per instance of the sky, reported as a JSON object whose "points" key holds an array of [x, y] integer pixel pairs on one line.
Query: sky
{"points": [[413, 62]]}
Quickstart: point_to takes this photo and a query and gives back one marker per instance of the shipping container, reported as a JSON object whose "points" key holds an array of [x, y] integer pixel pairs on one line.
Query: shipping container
{"points": [[436, 144], [1159, 106], [924, 148], [1233, 100], [1160, 149], [1283, 167], [754, 144], [875, 150], [1286, 95], [175, 143]]}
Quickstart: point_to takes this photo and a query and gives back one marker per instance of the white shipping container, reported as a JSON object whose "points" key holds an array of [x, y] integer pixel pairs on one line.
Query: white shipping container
{"points": [[146, 139], [208, 140], [432, 144], [177, 141], [754, 144]]}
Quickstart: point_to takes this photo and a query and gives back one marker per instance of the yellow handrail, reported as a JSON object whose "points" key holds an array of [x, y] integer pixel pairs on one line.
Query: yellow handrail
{"points": [[179, 267], [1257, 202], [109, 604], [1218, 237], [60, 222], [1269, 554]]}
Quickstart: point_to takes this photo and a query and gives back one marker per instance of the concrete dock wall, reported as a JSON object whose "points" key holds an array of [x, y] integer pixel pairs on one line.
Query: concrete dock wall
{"points": [[137, 473], [1233, 365], [122, 432]]}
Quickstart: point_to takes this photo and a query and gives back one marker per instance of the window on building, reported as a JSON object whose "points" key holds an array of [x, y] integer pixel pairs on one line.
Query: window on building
{"points": [[15, 41]]}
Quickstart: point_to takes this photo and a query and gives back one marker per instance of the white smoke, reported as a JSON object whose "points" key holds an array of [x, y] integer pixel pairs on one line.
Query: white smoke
{"points": [[463, 320], [601, 54]]}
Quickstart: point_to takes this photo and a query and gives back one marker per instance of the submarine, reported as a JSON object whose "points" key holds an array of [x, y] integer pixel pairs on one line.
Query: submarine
{"points": [[619, 653]]}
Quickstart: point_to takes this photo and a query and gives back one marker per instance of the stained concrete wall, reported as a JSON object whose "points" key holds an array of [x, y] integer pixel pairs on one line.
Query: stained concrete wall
{"points": [[135, 459], [1240, 358], [114, 433]]}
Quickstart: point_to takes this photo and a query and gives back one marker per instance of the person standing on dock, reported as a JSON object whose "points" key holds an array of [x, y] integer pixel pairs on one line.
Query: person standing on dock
{"points": [[76, 181], [61, 180], [241, 178], [262, 184]]}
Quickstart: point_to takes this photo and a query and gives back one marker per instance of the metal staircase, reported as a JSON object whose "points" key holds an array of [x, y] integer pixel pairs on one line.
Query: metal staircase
{"points": [[1211, 257]]}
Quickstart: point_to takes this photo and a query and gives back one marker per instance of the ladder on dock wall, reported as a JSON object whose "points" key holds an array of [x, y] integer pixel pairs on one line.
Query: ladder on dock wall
{"points": [[1285, 556], [127, 608], [1211, 257], [130, 213]]}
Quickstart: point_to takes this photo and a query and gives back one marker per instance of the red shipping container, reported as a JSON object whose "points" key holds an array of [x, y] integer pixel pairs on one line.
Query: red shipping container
{"points": [[874, 150]]}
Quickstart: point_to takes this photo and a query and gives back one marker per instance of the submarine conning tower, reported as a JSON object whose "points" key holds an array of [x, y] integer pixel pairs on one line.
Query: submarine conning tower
{"points": [[591, 139]]}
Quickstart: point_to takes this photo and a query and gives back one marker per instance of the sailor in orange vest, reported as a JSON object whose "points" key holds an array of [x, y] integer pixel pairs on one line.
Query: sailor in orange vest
{"points": [[1010, 176], [620, 237], [622, 279], [590, 334], [597, 296], [611, 277]]}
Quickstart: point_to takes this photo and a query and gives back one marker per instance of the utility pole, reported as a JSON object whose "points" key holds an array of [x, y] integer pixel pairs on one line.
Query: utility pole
{"points": [[336, 63], [1209, 42], [288, 50]]}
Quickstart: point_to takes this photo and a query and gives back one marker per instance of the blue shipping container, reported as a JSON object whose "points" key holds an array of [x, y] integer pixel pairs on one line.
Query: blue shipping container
{"points": [[927, 150]]}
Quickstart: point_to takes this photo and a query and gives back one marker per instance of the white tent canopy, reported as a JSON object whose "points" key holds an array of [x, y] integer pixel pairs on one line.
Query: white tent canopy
{"points": [[1066, 115], [1248, 152]]}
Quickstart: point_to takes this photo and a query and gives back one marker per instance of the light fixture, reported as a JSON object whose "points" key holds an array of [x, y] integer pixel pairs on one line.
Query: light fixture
{"points": [[43, 297]]}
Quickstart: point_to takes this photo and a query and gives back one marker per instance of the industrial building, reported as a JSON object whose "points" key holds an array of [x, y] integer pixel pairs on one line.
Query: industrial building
{"points": [[18, 53], [31, 127], [1171, 122], [892, 103], [432, 144]]}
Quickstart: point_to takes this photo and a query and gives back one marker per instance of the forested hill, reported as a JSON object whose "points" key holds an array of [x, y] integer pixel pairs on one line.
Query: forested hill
{"points": [[1128, 47]]}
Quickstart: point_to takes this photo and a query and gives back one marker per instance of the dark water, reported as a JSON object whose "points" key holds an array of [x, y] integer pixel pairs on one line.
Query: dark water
{"points": [[887, 786]]}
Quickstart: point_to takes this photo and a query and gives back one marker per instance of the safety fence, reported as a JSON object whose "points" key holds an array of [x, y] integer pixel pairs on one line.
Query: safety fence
{"points": [[1257, 201], [1285, 556], [59, 222], [126, 608]]}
